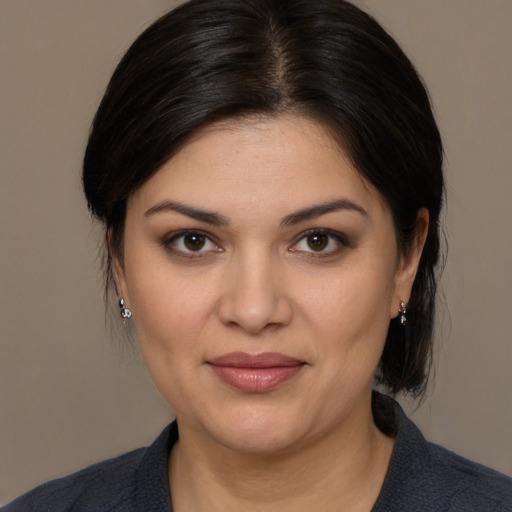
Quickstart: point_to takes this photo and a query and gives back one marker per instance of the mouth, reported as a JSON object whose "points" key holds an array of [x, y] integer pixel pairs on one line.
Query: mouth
{"points": [[256, 373]]}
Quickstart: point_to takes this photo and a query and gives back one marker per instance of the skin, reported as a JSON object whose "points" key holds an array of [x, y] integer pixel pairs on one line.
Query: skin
{"points": [[256, 283]]}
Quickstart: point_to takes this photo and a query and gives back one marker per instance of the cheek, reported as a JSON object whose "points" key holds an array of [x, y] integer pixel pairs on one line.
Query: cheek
{"points": [[170, 307], [170, 321], [351, 303], [352, 325], [350, 315]]}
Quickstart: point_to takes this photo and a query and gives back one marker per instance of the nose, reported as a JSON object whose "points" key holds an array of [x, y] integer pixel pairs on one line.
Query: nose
{"points": [[254, 295]]}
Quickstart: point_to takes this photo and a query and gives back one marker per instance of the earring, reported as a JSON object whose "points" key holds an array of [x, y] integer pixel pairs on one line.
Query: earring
{"points": [[125, 312], [403, 312]]}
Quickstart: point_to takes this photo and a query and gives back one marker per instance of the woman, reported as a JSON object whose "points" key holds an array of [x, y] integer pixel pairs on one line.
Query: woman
{"points": [[269, 175]]}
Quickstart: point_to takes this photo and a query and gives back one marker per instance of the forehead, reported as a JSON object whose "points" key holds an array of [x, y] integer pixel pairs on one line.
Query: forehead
{"points": [[280, 162]]}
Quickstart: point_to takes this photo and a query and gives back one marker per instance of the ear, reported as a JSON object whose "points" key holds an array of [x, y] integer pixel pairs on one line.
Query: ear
{"points": [[117, 269], [409, 262]]}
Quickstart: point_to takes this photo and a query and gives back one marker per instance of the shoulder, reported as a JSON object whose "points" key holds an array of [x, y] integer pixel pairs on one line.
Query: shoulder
{"points": [[468, 485], [134, 482], [427, 477], [101, 486]]}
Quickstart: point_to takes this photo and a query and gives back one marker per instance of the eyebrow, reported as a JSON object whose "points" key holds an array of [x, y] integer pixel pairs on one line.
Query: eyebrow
{"points": [[217, 219], [318, 210], [194, 213]]}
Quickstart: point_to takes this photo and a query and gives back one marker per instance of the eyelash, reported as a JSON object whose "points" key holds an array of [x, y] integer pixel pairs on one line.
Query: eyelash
{"points": [[170, 244], [339, 239]]}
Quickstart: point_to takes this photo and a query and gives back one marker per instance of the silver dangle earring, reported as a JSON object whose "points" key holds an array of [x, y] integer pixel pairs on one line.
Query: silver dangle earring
{"points": [[403, 312], [125, 312]]}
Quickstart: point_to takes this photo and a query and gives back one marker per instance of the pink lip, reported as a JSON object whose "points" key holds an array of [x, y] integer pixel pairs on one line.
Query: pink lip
{"points": [[255, 373]]}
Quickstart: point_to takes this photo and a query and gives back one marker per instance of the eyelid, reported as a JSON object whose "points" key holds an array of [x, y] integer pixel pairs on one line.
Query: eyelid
{"points": [[340, 238], [168, 241]]}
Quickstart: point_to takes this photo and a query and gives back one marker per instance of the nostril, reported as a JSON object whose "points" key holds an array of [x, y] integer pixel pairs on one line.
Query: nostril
{"points": [[255, 318]]}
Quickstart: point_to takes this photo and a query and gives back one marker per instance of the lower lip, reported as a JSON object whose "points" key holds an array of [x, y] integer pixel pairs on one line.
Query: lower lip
{"points": [[256, 380]]}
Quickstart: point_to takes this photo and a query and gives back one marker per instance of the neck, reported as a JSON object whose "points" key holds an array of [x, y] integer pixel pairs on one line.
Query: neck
{"points": [[344, 470]]}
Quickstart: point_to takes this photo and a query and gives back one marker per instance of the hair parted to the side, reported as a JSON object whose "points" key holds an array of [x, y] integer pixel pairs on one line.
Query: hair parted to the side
{"points": [[211, 60]]}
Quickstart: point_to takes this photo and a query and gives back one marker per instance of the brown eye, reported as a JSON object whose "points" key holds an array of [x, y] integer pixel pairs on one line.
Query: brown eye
{"points": [[194, 241], [318, 241], [191, 243], [321, 242]]}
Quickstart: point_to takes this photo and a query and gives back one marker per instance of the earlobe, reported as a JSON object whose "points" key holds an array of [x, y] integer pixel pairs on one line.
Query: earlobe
{"points": [[409, 263]]}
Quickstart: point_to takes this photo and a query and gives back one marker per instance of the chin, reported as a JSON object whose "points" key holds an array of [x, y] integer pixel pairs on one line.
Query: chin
{"points": [[258, 431], [257, 441]]}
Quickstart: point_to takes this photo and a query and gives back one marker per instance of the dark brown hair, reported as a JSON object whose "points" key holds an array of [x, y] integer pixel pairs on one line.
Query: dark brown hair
{"points": [[211, 60]]}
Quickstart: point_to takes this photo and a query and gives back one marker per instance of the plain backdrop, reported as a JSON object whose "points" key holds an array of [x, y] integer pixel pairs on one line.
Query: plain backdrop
{"points": [[69, 394]]}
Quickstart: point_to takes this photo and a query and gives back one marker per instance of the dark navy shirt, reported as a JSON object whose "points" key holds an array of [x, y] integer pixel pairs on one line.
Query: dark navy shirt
{"points": [[422, 477]]}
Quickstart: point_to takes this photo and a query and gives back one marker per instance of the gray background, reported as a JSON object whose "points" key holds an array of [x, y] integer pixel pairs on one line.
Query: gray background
{"points": [[69, 395]]}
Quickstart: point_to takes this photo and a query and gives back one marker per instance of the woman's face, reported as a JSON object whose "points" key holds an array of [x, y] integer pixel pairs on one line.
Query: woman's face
{"points": [[262, 272]]}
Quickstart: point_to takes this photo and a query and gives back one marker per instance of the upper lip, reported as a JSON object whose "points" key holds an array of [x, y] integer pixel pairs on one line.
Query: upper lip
{"points": [[263, 360]]}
